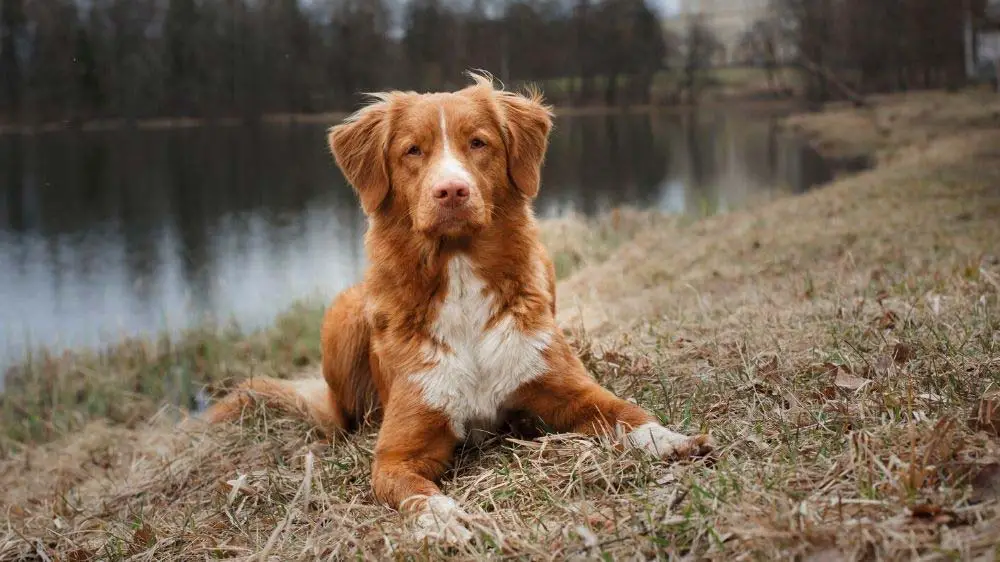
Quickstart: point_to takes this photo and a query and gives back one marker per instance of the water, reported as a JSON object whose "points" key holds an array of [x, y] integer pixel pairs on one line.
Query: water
{"points": [[120, 233]]}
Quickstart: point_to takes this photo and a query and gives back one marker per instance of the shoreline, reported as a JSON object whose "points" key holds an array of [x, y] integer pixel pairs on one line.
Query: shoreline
{"points": [[580, 224], [839, 344], [739, 103]]}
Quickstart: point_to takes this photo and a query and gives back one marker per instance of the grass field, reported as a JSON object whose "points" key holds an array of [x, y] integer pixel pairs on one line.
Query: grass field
{"points": [[842, 346]]}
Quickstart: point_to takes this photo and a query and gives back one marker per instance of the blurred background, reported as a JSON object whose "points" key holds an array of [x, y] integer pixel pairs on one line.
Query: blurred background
{"points": [[163, 162]]}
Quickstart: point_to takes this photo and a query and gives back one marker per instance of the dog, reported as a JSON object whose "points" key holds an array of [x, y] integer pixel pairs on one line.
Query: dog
{"points": [[453, 325]]}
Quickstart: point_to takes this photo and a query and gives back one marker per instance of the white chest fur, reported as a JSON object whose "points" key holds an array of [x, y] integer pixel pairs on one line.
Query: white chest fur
{"points": [[479, 368]]}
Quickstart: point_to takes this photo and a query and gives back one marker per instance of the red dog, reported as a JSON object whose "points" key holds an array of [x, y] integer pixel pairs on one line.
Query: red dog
{"points": [[454, 324]]}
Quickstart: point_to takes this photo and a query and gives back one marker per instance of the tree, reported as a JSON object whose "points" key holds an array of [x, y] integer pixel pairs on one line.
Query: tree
{"points": [[12, 31], [359, 54], [701, 46], [287, 54], [89, 90], [632, 45], [759, 45], [425, 45], [852, 47], [50, 77], [183, 65], [68, 59]]}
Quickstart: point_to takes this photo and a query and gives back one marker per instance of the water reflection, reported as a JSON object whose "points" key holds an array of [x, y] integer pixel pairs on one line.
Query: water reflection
{"points": [[129, 232]]}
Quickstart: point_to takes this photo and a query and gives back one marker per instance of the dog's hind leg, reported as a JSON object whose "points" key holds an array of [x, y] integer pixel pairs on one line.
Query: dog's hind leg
{"points": [[334, 403], [346, 339]]}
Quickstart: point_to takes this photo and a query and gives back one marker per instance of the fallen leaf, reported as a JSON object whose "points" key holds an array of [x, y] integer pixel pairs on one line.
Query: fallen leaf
{"points": [[80, 555], [932, 513], [719, 408], [902, 353], [887, 320], [666, 479], [986, 483], [849, 381], [142, 538], [827, 369], [829, 392], [883, 364]]}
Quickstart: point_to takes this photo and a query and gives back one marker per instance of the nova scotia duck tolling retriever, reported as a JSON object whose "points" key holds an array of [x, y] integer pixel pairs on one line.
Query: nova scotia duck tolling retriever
{"points": [[453, 326]]}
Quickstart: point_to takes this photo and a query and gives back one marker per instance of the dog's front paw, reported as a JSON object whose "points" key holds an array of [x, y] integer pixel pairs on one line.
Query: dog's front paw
{"points": [[442, 520], [665, 444]]}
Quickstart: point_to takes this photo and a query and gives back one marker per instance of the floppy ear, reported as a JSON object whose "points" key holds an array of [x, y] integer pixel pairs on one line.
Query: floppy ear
{"points": [[359, 146], [527, 123]]}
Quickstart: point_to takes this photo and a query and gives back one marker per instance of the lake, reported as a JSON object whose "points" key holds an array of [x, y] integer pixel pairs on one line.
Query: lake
{"points": [[121, 233]]}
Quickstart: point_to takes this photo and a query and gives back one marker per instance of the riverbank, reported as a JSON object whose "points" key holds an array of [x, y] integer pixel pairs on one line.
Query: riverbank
{"points": [[744, 105], [838, 345], [748, 88]]}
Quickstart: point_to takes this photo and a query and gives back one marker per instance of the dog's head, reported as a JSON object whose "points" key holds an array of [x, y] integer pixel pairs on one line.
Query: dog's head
{"points": [[445, 163]]}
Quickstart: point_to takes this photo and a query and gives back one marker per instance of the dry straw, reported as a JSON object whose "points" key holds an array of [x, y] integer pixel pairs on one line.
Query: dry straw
{"points": [[842, 346]]}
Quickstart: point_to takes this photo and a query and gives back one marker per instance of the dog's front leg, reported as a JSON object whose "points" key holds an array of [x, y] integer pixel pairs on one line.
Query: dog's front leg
{"points": [[568, 399], [413, 450]]}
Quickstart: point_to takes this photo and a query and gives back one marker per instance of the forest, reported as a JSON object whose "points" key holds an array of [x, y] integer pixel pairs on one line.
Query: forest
{"points": [[74, 60]]}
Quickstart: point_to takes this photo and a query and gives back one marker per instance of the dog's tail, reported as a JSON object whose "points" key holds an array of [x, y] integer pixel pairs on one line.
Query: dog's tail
{"points": [[310, 399]]}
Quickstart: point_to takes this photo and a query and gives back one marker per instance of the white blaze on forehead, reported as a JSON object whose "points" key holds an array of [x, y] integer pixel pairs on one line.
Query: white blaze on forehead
{"points": [[448, 166]]}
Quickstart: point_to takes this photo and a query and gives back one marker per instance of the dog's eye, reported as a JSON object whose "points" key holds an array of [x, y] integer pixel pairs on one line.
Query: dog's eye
{"points": [[414, 151], [477, 143]]}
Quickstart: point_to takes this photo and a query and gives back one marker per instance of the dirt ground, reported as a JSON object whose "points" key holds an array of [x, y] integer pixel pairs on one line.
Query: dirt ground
{"points": [[842, 346]]}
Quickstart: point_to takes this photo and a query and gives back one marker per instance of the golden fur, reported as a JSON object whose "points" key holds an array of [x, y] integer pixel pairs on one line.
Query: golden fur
{"points": [[447, 181]]}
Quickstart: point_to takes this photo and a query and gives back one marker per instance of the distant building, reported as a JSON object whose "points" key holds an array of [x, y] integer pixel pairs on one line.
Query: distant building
{"points": [[728, 19], [982, 44]]}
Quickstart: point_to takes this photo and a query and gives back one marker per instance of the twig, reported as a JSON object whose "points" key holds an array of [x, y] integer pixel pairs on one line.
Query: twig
{"points": [[856, 99], [304, 490]]}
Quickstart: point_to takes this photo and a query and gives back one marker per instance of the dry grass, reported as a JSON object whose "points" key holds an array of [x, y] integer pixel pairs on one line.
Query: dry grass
{"points": [[837, 344], [575, 242], [50, 395], [896, 124]]}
